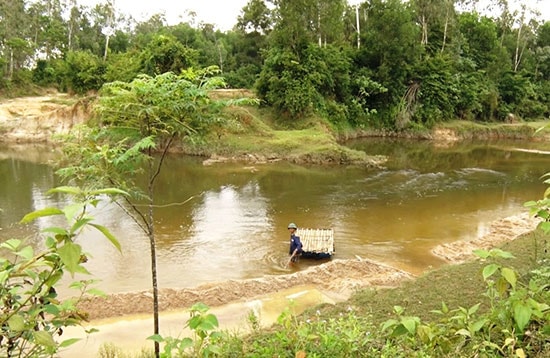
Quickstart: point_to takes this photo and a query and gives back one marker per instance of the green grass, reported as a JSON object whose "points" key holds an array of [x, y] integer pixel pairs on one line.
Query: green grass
{"points": [[456, 285]]}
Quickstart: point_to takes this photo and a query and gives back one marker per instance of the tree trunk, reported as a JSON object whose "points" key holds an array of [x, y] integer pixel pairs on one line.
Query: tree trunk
{"points": [[445, 30], [517, 56], [153, 249]]}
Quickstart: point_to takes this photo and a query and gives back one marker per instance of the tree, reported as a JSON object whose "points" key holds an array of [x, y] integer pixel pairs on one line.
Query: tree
{"points": [[255, 16], [48, 28], [138, 120], [391, 50], [14, 42], [166, 54]]}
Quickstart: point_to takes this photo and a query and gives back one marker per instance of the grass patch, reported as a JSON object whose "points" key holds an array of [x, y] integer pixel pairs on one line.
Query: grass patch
{"points": [[458, 285], [251, 131]]}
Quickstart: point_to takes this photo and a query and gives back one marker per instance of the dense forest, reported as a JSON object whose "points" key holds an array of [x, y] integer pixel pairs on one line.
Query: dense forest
{"points": [[384, 63]]}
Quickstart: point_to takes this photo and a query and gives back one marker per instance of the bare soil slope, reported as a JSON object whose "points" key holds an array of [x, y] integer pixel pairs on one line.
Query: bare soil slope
{"points": [[36, 119]]}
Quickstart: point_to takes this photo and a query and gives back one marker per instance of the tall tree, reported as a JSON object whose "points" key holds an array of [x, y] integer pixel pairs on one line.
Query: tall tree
{"points": [[14, 40], [49, 28]]}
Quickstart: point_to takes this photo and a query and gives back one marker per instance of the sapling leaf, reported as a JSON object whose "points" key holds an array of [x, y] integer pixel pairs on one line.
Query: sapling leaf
{"points": [[96, 292], [501, 253], [27, 253], [545, 226], [510, 276], [479, 325], [80, 223], [463, 332], [44, 338], [56, 230], [69, 342], [410, 324], [482, 253], [108, 235], [41, 213], [156, 338], [66, 190], [71, 211], [522, 315], [109, 191], [16, 323], [489, 270], [70, 256]]}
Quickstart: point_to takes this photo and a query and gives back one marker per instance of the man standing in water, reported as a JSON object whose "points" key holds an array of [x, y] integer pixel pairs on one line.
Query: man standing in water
{"points": [[295, 243]]}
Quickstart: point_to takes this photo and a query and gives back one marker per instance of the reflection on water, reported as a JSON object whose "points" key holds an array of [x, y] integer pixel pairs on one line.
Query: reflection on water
{"points": [[229, 221]]}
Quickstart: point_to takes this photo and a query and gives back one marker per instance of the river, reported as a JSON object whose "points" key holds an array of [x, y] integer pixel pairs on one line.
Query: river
{"points": [[228, 221]]}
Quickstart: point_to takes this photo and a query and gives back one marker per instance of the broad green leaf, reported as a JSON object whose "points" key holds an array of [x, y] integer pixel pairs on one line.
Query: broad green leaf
{"points": [[56, 230], [96, 292], [482, 253], [473, 309], [40, 214], [16, 323], [489, 270], [410, 324], [501, 286], [70, 256], [389, 323], [522, 315], [108, 235], [399, 330], [186, 343], [398, 310], [3, 277], [80, 223], [425, 334], [510, 276], [109, 191], [212, 320], [11, 244], [50, 242], [479, 325], [27, 252], [545, 226], [463, 332], [51, 309], [66, 190], [156, 338], [502, 253], [200, 307], [44, 338], [71, 211], [69, 342]]}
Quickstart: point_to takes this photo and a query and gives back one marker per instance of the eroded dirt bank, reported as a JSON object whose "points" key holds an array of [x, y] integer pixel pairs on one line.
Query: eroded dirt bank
{"points": [[37, 119]]}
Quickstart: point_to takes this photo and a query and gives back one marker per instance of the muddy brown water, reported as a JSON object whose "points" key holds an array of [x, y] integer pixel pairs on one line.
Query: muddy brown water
{"points": [[228, 221]]}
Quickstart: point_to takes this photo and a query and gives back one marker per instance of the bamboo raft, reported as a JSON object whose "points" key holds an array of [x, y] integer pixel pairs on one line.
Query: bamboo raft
{"points": [[317, 243]]}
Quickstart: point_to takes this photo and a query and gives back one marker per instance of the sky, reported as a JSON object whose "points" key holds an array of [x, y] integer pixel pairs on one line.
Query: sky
{"points": [[223, 13]]}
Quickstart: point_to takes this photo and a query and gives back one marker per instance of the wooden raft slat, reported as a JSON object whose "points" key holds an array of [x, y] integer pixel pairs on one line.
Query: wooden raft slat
{"points": [[317, 240]]}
